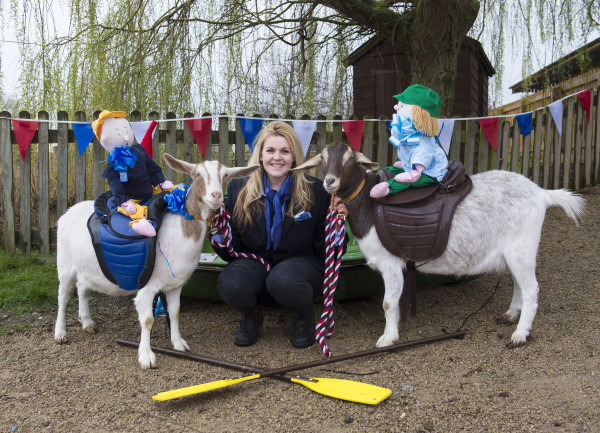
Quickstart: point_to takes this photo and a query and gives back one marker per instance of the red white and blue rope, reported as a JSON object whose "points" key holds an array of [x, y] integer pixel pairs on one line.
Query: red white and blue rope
{"points": [[335, 233], [220, 237]]}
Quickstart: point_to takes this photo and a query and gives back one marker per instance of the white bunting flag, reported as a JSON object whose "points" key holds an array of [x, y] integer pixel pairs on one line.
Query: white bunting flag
{"points": [[140, 128], [556, 108], [446, 127], [305, 130]]}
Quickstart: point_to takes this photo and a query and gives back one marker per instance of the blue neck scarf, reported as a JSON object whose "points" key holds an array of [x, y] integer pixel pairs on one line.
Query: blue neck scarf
{"points": [[121, 158], [275, 210]]}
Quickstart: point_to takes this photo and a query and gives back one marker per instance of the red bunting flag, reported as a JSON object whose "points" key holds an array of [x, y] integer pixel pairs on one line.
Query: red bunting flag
{"points": [[354, 132], [490, 129], [585, 97], [148, 136], [24, 132], [200, 129]]}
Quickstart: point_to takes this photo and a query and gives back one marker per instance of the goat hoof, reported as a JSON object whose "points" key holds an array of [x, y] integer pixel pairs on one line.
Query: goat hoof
{"points": [[90, 329], [60, 338], [508, 319], [147, 361], [181, 345], [517, 339], [384, 341]]}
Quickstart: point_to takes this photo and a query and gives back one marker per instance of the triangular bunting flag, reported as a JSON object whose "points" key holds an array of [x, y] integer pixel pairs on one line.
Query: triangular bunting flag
{"points": [[354, 132], [24, 132], [148, 136], [143, 133], [305, 130], [200, 129], [556, 108], [83, 135], [446, 127], [490, 129], [140, 128], [524, 120], [585, 97], [250, 128]]}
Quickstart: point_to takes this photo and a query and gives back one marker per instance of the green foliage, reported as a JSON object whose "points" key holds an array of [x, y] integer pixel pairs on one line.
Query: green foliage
{"points": [[27, 282]]}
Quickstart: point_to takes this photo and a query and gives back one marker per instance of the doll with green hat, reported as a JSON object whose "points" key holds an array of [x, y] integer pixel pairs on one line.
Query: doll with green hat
{"points": [[414, 134]]}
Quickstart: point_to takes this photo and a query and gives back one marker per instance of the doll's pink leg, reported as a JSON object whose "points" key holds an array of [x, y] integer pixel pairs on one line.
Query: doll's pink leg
{"points": [[144, 227]]}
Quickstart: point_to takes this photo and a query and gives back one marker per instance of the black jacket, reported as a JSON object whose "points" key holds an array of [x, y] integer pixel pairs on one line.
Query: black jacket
{"points": [[298, 238], [140, 178]]}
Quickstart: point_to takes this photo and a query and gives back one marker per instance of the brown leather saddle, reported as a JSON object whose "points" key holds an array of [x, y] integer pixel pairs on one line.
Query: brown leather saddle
{"points": [[415, 223]]}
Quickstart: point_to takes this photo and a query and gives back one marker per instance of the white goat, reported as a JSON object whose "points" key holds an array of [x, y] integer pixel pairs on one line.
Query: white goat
{"points": [[179, 239], [497, 227]]}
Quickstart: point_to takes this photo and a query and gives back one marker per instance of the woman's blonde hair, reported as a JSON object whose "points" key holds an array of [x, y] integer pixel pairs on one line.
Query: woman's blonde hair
{"points": [[249, 203]]}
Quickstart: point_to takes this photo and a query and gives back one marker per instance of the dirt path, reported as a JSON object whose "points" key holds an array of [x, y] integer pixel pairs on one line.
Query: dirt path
{"points": [[552, 384]]}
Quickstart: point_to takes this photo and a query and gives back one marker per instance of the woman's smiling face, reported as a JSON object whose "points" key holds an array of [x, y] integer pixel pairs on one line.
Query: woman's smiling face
{"points": [[277, 159]]}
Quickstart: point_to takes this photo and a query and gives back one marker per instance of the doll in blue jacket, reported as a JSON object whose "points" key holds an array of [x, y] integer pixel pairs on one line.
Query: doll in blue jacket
{"points": [[131, 174]]}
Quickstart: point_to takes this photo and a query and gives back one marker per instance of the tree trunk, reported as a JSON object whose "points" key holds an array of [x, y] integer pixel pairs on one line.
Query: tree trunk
{"points": [[437, 30], [431, 32]]}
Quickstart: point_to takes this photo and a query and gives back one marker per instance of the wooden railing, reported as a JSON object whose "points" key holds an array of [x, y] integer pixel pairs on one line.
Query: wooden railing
{"points": [[53, 176]]}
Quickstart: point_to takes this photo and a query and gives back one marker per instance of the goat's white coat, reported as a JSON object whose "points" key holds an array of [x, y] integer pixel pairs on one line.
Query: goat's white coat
{"points": [[496, 228], [76, 260]]}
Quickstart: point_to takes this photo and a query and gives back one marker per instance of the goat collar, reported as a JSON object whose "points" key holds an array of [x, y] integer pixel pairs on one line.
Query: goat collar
{"points": [[355, 193]]}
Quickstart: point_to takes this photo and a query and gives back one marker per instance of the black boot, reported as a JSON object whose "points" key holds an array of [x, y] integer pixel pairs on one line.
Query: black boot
{"points": [[303, 332], [249, 330]]}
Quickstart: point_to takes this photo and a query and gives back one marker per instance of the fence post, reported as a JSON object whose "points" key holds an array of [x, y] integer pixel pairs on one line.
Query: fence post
{"points": [[98, 164], [320, 142], [557, 153], [537, 147], [482, 163], [240, 142], [382, 142], [578, 145], [367, 144], [505, 145], [8, 210], [588, 143], [80, 163], [43, 182], [568, 133], [515, 148], [455, 143], [596, 177], [547, 149], [25, 200], [62, 166], [223, 138], [526, 153], [188, 146], [472, 128], [171, 145]]}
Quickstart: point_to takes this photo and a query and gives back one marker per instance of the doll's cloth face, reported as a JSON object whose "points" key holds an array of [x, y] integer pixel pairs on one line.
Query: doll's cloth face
{"points": [[404, 109], [116, 131]]}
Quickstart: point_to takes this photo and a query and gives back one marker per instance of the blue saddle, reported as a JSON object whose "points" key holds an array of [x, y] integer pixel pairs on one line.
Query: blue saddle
{"points": [[125, 257]]}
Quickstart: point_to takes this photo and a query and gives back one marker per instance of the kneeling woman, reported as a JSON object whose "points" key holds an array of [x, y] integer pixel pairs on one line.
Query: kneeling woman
{"points": [[278, 215]]}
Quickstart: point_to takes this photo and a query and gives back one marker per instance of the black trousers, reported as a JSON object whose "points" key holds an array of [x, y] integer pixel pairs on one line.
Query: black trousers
{"points": [[292, 283]]}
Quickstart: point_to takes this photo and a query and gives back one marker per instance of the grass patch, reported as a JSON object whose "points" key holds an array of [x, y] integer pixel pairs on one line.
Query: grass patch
{"points": [[28, 285]]}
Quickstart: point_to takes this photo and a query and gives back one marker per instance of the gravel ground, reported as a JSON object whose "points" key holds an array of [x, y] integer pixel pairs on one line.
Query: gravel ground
{"points": [[551, 384]]}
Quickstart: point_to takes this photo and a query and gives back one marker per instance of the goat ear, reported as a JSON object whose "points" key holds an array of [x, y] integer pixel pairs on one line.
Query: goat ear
{"points": [[180, 166], [315, 161], [366, 162], [241, 171]]}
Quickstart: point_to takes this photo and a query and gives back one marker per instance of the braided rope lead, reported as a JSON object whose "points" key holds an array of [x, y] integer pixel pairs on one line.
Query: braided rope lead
{"points": [[220, 237], [335, 232]]}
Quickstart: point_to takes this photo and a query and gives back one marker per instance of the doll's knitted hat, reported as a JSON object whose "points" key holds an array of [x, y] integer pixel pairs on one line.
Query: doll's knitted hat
{"points": [[421, 96]]}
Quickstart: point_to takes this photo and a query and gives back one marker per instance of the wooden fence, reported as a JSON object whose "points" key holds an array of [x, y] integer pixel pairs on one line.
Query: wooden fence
{"points": [[37, 191]]}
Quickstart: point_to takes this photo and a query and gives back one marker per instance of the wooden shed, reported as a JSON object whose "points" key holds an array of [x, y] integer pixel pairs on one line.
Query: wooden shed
{"points": [[382, 71]]}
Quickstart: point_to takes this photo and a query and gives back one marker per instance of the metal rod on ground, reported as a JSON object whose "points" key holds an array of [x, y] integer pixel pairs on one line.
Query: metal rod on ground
{"points": [[279, 373]]}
